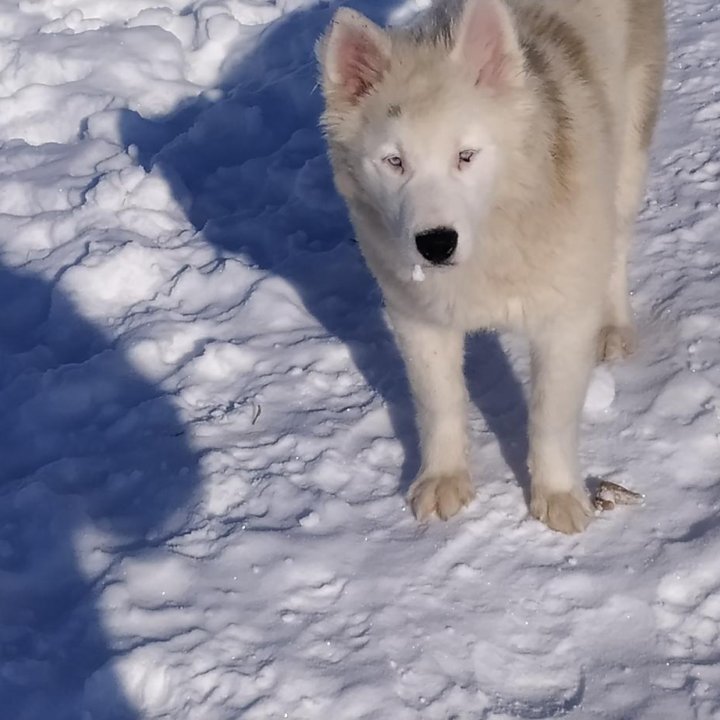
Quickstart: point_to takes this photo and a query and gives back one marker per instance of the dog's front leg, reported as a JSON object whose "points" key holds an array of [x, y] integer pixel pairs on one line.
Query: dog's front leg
{"points": [[434, 359], [563, 354]]}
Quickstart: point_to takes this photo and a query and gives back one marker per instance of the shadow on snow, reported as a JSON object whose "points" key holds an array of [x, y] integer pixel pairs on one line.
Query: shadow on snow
{"points": [[87, 445]]}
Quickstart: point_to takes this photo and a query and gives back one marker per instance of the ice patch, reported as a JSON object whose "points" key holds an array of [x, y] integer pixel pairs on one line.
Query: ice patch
{"points": [[601, 392]]}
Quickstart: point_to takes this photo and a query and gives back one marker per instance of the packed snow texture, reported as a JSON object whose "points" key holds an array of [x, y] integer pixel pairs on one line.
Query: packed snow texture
{"points": [[206, 432]]}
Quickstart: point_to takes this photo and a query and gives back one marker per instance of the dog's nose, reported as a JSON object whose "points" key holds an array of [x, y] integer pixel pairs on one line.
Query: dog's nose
{"points": [[437, 245]]}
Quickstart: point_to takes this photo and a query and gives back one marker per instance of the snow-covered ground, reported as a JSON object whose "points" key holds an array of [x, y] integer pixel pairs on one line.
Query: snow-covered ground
{"points": [[205, 431]]}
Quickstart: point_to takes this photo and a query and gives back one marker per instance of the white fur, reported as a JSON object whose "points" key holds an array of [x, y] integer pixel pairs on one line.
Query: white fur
{"points": [[543, 211]]}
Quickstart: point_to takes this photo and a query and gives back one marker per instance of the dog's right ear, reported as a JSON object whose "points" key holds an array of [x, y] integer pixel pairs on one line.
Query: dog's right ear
{"points": [[354, 55]]}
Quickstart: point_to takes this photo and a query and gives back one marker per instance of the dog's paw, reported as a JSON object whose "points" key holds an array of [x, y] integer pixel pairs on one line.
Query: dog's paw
{"points": [[443, 495], [566, 512], [615, 342]]}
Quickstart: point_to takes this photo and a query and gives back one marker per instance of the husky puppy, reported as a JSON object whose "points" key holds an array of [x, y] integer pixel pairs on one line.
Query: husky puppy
{"points": [[492, 157]]}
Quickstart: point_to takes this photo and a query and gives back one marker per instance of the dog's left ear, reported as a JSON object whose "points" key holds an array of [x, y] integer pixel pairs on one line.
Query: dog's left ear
{"points": [[486, 43], [354, 55]]}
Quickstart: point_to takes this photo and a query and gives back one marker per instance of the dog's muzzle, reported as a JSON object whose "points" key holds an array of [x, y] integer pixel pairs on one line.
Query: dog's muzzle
{"points": [[437, 245]]}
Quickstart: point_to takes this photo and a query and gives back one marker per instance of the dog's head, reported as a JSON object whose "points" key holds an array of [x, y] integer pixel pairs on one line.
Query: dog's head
{"points": [[420, 123]]}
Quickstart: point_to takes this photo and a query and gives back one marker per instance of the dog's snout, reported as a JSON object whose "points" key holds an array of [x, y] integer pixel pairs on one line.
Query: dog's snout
{"points": [[437, 245]]}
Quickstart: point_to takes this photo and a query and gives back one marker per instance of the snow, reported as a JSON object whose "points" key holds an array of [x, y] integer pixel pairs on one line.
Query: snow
{"points": [[205, 428], [601, 392], [417, 273]]}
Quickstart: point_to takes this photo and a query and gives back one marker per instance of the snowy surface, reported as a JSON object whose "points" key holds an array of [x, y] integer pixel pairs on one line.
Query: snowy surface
{"points": [[205, 431]]}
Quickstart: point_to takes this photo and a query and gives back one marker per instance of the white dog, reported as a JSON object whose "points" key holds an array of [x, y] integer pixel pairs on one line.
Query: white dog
{"points": [[492, 157]]}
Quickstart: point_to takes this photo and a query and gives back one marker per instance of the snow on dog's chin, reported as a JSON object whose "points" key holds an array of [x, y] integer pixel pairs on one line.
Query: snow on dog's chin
{"points": [[417, 274]]}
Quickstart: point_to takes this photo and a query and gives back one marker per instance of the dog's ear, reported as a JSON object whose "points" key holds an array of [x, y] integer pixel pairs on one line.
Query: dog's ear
{"points": [[354, 55], [486, 43]]}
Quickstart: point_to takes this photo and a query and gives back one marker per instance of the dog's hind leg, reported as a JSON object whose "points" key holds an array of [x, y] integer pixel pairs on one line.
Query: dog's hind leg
{"points": [[434, 359], [643, 88], [617, 336]]}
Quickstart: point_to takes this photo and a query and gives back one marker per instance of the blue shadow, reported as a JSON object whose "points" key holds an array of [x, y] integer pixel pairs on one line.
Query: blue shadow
{"points": [[86, 443]]}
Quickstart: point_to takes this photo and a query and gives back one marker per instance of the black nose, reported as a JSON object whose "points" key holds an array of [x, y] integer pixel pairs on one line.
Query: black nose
{"points": [[437, 245]]}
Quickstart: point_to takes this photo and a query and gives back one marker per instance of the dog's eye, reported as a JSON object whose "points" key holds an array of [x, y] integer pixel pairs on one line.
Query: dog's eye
{"points": [[465, 157], [395, 162]]}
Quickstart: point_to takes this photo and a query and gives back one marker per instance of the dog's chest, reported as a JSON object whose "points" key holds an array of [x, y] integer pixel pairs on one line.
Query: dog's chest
{"points": [[467, 305]]}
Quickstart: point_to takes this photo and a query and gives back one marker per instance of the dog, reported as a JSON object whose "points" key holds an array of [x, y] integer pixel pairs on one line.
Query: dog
{"points": [[492, 155]]}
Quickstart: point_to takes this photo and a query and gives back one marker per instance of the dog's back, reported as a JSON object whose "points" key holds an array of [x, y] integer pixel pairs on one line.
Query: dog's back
{"points": [[615, 51]]}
